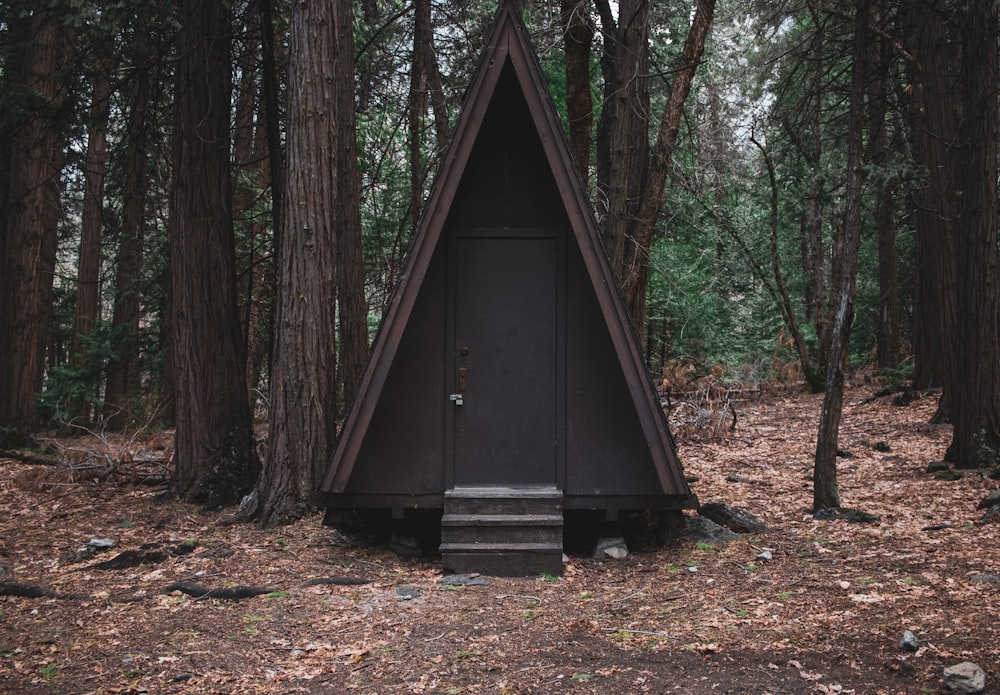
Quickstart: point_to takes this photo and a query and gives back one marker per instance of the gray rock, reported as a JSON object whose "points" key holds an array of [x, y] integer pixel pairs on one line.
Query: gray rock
{"points": [[463, 580], [991, 500], [985, 578], [992, 514], [100, 543], [611, 546], [733, 518], [965, 677], [935, 466], [852, 516], [703, 530], [909, 642], [765, 555], [405, 593]]}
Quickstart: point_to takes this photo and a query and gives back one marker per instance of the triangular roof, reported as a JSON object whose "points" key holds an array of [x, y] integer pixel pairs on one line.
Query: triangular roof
{"points": [[508, 44]]}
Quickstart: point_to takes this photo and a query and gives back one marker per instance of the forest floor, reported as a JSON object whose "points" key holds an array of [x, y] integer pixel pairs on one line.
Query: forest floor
{"points": [[824, 615]]}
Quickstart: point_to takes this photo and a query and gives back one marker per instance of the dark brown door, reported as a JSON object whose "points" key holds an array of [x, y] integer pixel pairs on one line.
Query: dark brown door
{"points": [[506, 331]]}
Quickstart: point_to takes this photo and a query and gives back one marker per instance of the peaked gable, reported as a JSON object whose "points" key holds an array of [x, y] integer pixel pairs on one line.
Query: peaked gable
{"points": [[508, 99]]}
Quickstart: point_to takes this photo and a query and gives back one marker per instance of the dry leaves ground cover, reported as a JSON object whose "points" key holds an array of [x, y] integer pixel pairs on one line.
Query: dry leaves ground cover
{"points": [[825, 614]]}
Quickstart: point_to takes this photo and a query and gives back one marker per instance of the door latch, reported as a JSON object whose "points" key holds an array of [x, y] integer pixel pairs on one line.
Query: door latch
{"points": [[456, 397]]}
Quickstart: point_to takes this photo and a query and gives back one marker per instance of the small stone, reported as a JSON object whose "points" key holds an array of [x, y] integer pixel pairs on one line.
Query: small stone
{"points": [[852, 516], [965, 677], [693, 570], [765, 555], [909, 642], [406, 593], [935, 466], [100, 543], [613, 547]]}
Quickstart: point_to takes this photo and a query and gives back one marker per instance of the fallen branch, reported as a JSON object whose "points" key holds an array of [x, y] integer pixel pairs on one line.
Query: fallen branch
{"points": [[230, 593], [32, 591], [337, 581], [28, 457]]}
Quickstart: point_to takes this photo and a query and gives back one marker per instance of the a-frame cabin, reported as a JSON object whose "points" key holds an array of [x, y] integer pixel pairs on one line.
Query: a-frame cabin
{"points": [[506, 385]]}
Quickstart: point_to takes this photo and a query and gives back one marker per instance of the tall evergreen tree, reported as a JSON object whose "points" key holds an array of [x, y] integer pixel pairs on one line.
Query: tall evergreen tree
{"points": [[304, 365], [214, 452], [975, 391], [32, 148]]}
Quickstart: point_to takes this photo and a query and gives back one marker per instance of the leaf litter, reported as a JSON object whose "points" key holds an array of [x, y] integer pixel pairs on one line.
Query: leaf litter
{"points": [[822, 611]]}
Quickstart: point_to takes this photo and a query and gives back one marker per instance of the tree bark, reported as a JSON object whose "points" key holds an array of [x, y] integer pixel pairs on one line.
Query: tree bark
{"points": [[635, 266], [303, 370], [28, 234], [352, 305], [825, 490], [622, 179], [88, 285], [253, 178], [975, 393], [123, 373], [887, 324], [214, 450], [578, 34], [934, 114]]}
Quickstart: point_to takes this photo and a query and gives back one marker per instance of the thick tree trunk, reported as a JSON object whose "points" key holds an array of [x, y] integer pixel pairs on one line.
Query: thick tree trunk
{"points": [[935, 114], [578, 34], [635, 266], [975, 401], [214, 450], [88, 283], [825, 490], [28, 235], [303, 370]]}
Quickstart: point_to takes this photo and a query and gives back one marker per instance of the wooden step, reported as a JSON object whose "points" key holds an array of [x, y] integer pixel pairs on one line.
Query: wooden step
{"points": [[503, 500], [502, 531]]}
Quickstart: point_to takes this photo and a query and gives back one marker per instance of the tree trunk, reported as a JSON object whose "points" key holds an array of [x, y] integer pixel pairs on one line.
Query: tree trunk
{"points": [[935, 114], [123, 372], [352, 305], [975, 400], [887, 325], [578, 34], [303, 369], [214, 450], [276, 159], [253, 177], [28, 235], [825, 490], [88, 284], [635, 268], [623, 178]]}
